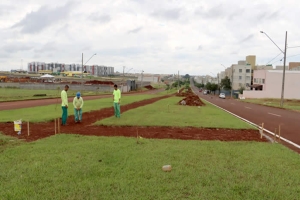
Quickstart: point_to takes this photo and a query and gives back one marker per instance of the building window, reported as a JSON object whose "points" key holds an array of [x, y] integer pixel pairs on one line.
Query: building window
{"points": [[240, 70], [263, 81], [255, 80], [247, 78], [247, 70], [240, 84], [240, 77], [259, 80]]}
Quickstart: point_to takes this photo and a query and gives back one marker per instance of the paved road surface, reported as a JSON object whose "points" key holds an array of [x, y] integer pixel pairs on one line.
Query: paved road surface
{"points": [[270, 116], [44, 102]]}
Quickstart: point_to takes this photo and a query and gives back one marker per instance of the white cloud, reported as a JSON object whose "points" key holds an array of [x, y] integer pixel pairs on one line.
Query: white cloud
{"points": [[192, 36]]}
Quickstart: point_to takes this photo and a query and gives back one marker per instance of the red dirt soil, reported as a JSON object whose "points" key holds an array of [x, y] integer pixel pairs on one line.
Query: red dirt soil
{"points": [[191, 98], [42, 130], [149, 87]]}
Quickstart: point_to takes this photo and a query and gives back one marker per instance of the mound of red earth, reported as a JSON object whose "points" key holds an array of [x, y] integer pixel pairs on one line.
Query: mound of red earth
{"points": [[149, 87], [190, 99], [99, 82]]}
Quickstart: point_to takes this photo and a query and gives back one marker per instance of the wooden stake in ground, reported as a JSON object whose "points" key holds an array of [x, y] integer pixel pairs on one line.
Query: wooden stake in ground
{"points": [[137, 136], [275, 134], [58, 126], [262, 130], [55, 126], [28, 131], [279, 132]]}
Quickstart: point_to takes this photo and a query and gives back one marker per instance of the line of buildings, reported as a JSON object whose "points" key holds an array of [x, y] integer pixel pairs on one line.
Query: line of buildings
{"points": [[95, 70], [259, 81]]}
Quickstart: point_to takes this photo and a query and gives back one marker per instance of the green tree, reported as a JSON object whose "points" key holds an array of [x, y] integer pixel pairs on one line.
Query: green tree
{"points": [[214, 87], [208, 86], [187, 76], [241, 89], [225, 83]]}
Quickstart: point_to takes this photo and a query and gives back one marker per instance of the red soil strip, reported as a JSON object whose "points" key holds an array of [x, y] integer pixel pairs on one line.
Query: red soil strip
{"points": [[191, 98], [42, 130], [149, 87]]}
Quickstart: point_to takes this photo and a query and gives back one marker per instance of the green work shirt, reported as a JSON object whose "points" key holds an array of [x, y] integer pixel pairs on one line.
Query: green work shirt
{"points": [[77, 103], [64, 98], [117, 95]]}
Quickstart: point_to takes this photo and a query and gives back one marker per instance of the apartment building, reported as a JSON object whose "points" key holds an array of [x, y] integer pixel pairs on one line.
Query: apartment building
{"points": [[293, 65], [35, 67], [240, 76], [268, 84]]}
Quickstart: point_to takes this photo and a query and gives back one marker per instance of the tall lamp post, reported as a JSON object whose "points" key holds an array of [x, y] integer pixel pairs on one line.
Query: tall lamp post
{"points": [[82, 68], [225, 69], [284, 62], [142, 79]]}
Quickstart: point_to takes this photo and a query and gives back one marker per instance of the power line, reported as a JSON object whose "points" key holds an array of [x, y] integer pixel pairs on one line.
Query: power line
{"points": [[286, 57], [294, 47], [274, 58]]}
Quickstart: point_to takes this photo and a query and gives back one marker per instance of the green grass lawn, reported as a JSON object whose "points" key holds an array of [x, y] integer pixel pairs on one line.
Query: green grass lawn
{"points": [[68, 167], [46, 113], [160, 114], [291, 104], [7, 141], [12, 94]]}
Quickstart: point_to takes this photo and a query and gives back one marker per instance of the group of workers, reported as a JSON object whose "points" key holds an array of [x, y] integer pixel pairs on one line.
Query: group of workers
{"points": [[78, 104]]}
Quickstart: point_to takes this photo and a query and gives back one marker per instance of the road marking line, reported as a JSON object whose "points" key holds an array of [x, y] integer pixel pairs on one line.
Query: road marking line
{"points": [[274, 114], [257, 126], [248, 107]]}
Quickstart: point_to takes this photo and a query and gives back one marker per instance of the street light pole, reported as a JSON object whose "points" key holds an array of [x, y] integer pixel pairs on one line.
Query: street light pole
{"points": [[142, 80], [82, 68], [231, 80], [225, 69], [283, 75], [284, 62]]}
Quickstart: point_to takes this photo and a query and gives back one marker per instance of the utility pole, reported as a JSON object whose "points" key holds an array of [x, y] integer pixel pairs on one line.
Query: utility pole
{"points": [[123, 71], [283, 75], [178, 82], [82, 73], [142, 80], [231, 80], [218, 84]]}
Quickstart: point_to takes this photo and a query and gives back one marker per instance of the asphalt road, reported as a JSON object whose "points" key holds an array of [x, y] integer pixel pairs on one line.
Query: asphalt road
{"points": [[258, 114]]}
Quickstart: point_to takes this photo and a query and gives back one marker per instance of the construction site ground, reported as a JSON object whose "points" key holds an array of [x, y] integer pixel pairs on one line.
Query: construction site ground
{"points": [[42, 130]]}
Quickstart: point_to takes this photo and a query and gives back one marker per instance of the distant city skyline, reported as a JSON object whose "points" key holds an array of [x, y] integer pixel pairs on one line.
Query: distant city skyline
{"points": [[194, 37]]}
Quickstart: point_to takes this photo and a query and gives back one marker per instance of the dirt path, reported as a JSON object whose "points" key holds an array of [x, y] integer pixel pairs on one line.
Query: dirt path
{"points": [[45, 102], [42, 130]]}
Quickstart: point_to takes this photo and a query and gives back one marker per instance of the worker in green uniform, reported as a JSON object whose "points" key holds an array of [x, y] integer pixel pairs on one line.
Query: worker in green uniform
{"points": [[117, 99], [64, 105], [78, 103]]}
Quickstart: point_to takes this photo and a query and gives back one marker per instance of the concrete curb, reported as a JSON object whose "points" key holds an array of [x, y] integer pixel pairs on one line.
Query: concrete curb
{"points": [[255, 125]]}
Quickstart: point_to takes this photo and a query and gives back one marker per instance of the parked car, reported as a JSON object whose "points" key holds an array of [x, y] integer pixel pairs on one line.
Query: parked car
{"points": [[205, 92], [222, 95]]}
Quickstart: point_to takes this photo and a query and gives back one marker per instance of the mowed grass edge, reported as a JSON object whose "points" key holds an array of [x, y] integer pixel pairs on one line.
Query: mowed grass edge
{"points": [[166, 113], [82, 167], [46, 113], [290, 104]]}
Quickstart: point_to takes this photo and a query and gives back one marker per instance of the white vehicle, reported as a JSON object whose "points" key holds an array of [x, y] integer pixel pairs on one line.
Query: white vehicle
{"points": [[222, 95]]}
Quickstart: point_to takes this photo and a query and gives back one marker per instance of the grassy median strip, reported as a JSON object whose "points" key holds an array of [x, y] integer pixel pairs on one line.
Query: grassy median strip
{"points": [[166, 113], [290, 104], [46, 113], [81, 167], [13, 94]]}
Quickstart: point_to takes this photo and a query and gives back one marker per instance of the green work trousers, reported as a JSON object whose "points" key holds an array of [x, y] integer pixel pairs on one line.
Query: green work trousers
{"points": [[117, 109], [64, 115]]}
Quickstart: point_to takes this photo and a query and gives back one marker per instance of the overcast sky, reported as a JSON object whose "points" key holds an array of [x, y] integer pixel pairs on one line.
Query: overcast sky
{"points": [[157, 36]]}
